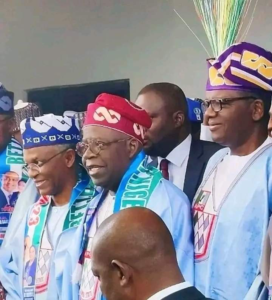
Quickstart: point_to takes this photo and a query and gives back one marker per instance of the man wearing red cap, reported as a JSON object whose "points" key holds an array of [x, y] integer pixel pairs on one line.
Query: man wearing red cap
{"points": [[112, 154]]}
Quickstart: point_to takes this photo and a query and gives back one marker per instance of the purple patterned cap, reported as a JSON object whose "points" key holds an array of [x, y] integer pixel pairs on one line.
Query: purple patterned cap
{"points": [[243, 67]]}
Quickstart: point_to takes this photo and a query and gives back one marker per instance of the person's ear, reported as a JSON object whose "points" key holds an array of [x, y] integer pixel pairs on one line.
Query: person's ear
{"points": [[133, 147], [123, 271], [179, 118], [257, 110], [70, 157]]}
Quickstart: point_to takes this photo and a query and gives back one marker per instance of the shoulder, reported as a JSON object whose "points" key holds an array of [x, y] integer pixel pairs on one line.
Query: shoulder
{"points": [[206, 146], [172, 192]]}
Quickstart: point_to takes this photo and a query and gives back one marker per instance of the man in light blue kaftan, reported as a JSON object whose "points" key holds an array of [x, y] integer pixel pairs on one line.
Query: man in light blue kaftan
{"points": [[112, 154], [232, 207], [47, 230]]}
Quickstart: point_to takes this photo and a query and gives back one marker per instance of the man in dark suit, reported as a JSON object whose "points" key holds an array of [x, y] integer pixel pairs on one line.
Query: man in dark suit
{"points": [[8, 190], [181, 157], [134, 257]]}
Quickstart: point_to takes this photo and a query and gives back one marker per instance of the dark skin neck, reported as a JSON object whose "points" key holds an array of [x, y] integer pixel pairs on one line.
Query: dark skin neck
{"points": [[173, 141], [256, 139], [151, 286], [63, 197]]}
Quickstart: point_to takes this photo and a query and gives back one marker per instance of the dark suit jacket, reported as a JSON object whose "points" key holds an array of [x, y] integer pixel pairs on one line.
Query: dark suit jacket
{"points": [[3, 199], [190, 293], [200, 153]]}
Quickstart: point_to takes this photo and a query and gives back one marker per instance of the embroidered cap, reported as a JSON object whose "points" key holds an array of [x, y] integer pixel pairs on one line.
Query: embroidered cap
{"points": [[242, 66], [6, 101], [49, 130], [195, 110], [23, 110], [119, 114]]}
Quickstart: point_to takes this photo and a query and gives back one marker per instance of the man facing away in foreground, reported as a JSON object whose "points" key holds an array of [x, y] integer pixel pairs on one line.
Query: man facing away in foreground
{"points": [[149, 270], [112, 154], [233, 204]]}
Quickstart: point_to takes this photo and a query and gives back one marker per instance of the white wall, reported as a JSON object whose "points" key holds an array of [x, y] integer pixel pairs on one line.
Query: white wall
{"points": [[57, 42]]}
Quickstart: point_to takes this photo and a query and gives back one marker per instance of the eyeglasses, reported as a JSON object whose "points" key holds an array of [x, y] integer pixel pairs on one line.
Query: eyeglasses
{"points": [[95, 146], [37, 168], [218, 104]]}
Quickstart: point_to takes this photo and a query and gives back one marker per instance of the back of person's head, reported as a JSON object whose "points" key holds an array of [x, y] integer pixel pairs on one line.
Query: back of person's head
{"points": [[167, 106], [6, 116], [129, 250]]}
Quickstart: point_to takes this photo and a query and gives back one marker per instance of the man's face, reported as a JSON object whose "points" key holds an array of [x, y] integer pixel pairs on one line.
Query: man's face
{"points": [[108, 166], [233, 123], [6, 123], [52, 176], [162, 122], [10, 182]]}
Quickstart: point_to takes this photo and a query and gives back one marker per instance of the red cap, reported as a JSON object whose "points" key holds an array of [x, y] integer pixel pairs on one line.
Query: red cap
{"points": [[119, 114]]}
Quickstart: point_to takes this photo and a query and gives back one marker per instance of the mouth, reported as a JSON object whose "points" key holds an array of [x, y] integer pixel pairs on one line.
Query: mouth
{"points": [[214, 127], [40, 183], [94, 169]]}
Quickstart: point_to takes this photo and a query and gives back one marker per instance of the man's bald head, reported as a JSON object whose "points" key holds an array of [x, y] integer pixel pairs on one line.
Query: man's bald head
{"points": [[129, 248]]}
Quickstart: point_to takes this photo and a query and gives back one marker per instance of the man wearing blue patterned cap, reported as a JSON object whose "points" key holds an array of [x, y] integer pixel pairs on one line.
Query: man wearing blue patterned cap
{"points": [[38, 249], [232, 206], [11, 161]]}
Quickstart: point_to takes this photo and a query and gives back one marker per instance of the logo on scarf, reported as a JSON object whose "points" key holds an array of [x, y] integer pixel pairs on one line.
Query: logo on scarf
{"points": [[204, 221], [102, 114], [139, 130]]}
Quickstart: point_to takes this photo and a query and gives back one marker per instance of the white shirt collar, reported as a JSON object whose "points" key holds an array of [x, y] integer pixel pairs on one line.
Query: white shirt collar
{"points": [[170, 290], [180, 153]]}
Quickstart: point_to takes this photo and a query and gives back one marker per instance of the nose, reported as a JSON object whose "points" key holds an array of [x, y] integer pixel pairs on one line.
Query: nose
{"points": [[88, 155], [209, 113], [32, 173]]}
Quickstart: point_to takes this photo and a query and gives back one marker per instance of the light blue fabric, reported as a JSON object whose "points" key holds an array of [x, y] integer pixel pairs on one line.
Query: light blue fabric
{"points": [[232, 269], [12, 255], [172, 205], [27, 198]]}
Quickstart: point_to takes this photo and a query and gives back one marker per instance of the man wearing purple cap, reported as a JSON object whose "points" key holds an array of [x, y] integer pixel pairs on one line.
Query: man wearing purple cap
{"points": [[233, 204]]}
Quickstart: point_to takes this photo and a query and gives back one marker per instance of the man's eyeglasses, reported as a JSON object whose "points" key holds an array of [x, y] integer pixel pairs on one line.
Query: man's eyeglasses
{"points": [[218, 104], [37, 167], [95, 146]]}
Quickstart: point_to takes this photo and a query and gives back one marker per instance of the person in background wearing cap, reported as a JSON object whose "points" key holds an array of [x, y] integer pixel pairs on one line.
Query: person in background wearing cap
{"points": [[181, 158], [23, 110], [195, 115], [112, 153], [233, 204], [49, 226], [29, 195], [11, 161]]}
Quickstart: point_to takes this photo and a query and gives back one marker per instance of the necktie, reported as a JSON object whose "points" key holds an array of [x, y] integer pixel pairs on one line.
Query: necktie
{"points": [[164, 168]]}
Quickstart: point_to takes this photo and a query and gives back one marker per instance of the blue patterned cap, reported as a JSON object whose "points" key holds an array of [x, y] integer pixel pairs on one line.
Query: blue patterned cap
{"points": [[195, 111], [49, 130], [6, 101]]}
